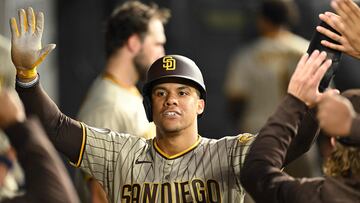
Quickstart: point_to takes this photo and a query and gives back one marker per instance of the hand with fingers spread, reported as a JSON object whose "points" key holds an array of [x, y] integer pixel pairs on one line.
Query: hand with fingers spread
{"points": [[335, 114], [347, 23], [305, 81], [26, 49]]}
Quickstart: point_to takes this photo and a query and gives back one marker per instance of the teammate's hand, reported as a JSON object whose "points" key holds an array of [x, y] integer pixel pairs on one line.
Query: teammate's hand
{"points": [[335, 114], [347, 23], [304, 82], [26, 49], [11, 108]]}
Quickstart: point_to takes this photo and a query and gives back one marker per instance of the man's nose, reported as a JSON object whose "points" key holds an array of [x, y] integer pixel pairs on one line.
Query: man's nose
{"points": [[171, 100]]}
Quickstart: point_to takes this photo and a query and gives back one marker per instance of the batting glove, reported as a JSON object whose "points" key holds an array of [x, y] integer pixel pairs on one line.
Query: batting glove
{"points": [[26, 49]]}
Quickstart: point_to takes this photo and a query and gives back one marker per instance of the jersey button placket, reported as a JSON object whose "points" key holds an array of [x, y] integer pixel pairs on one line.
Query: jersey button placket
{"points": [[167, 171]]}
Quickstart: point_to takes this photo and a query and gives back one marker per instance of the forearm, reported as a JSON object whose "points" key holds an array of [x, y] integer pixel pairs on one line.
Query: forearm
{"points": [[65, 133], [306, 136], [46, 178], [267, 154]]}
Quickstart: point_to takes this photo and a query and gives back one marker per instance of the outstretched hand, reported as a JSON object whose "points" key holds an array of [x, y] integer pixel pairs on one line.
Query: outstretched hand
{"points": [[26, 49], [304, 82], [347, 23]]}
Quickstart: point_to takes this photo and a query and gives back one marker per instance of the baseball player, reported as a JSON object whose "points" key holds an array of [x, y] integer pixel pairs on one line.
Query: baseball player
{"points": [[178, 165], [266, 64]]}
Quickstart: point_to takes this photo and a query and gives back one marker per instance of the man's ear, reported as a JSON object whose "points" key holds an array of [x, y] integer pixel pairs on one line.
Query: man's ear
{"points": [[332, 142], [134, 43], [201, 106]]}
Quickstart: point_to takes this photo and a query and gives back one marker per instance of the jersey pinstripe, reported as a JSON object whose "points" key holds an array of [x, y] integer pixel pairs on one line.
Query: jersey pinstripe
{"points": [[132, 169]]}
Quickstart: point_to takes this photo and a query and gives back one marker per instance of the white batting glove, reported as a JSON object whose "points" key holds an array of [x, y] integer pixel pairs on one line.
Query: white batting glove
{"points": [[26, 49]]}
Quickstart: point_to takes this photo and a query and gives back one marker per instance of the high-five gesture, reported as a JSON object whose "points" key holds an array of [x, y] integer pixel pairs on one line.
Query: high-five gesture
{"points": [[26, 49], [347, 23], [305, 81]]}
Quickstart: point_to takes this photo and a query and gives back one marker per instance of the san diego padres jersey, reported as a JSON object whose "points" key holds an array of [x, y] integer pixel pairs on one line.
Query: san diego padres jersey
{"points": [[133, 169]]}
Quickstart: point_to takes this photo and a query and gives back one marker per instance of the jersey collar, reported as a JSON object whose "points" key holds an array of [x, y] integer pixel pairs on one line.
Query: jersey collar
{"points": [[162, 153]]}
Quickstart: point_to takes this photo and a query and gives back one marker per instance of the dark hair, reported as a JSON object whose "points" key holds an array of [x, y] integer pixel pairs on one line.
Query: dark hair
{"points": [[129, 18], [279, 12]]}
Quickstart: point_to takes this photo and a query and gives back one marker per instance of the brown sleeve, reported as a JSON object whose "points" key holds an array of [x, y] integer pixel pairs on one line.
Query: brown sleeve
{"points": [[306, 136], [45, 174], [66, 134], [261, 175]]}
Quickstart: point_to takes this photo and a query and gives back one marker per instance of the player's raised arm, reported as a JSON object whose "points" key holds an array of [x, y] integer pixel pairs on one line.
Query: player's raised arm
{"points": [[306, 78], [347, 23], [27, 54], [267, 154]]}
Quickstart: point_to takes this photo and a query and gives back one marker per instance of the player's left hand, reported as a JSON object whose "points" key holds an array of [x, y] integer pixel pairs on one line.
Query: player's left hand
{"points": [[304, 82], [347, 43], [26, 49], [347, 23]]}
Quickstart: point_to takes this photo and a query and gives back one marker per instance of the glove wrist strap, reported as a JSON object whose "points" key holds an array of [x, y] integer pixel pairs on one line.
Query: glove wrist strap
{"points": [[26, 74]]}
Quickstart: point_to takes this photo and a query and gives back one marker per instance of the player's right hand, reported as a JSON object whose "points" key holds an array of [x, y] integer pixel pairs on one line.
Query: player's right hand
{"points": [[26, 49], [304, 83]]}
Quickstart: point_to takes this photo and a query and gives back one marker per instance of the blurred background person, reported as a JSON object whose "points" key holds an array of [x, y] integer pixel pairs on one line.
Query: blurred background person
{"points": [[134, 39], [258, 74], [12, 182], [7, 71]]}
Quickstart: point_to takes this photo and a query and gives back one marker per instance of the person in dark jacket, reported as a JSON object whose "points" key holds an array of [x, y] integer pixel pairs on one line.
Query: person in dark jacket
{"points": [[342, 168], [45, 175]]}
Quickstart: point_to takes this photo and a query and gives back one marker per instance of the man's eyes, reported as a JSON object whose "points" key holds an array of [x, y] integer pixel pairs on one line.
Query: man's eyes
{"points": [[164, 93], [183, 93], [160, 93]]}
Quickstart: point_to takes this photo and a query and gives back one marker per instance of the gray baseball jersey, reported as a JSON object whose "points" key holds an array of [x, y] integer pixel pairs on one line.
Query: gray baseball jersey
{"points": [[133, 169]]}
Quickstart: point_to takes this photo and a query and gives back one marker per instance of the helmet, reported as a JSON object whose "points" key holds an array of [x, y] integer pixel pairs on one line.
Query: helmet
{"points": [[172, 66]]}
